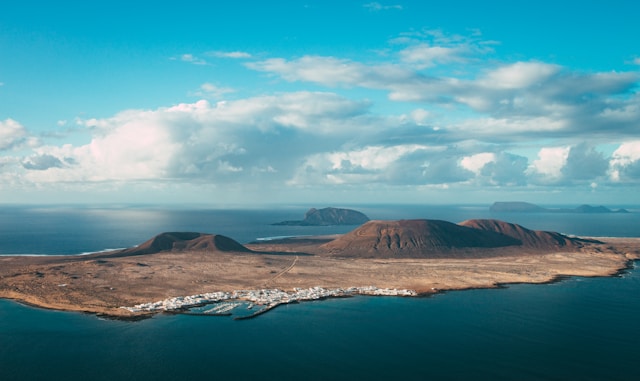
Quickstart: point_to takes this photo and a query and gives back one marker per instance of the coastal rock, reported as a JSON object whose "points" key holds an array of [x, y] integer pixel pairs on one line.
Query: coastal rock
{"points": [[329, 216]]}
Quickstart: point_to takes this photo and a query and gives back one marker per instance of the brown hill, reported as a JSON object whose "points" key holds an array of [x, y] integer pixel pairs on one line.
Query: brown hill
{"points": [[528, 238], [413, 239], [185, 241]]}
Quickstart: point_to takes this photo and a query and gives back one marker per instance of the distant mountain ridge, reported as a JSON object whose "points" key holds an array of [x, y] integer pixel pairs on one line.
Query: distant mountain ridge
{"points": [[329, 216], [525, 207]]}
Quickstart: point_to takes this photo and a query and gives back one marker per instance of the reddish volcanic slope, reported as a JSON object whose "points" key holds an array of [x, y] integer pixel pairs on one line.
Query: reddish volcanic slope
{"points": [[413, 239], [528, 238], [186, 241]]}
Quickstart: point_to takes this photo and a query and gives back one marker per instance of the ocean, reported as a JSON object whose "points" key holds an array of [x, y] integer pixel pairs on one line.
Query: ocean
{"points": [[580, 328]]}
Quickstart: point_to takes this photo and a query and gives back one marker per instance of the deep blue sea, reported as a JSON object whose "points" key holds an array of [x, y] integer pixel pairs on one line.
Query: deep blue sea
{"points": [[578, 329]]}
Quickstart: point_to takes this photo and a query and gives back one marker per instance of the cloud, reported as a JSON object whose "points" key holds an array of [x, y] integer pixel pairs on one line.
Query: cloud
{"points": [[188, 57], [403, 83], [199, 142], [210, 91], [584, 163], [376, 7], [42, 162], [475, 163], [444, 170], [550, 162], [506, 170], [625, 163], [458, 119], [426, 55], [331, 71], [518, 75], [307, 139], [507, 129], [497, 169], [233, 54], [14, 135], [522, 96], [395, 165], [569, 165]]}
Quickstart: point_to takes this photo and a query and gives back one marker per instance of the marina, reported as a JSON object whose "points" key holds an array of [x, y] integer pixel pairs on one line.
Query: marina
{"points": [[256, 301]]}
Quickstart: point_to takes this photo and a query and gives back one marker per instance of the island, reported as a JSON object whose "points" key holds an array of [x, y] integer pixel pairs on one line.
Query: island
{"points": [[327, 217], [526, 207], [202, 273]]}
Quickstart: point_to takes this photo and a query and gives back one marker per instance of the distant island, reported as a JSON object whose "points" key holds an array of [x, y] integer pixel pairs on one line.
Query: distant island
{"points": [[211, 274], [328, 217], [525, 207]]}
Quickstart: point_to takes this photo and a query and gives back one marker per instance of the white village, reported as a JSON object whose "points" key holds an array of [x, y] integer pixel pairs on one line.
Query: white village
{"points": [[267, 299]]}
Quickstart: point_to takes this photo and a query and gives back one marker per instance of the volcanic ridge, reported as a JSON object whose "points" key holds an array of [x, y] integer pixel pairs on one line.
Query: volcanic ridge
{"points": [[420, 238], [184, 241], [435, 238]]}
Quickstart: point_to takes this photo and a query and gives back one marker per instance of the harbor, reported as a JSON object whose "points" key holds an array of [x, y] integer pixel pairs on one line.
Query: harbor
{"points": [[255, 302]]}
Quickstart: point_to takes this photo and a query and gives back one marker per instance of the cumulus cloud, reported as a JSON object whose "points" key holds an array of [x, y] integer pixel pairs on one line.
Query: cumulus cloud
{"points": [[497, 169], [507, 169], [444, 170], [475, 163], [550, 162], [400, 165], [365, 165], [569, 165], [262, 136], [625, 162], [14, 135], [584, 162]]}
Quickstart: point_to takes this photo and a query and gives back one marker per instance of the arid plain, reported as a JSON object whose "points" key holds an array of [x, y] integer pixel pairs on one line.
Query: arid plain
{"points": [[422, 256]]}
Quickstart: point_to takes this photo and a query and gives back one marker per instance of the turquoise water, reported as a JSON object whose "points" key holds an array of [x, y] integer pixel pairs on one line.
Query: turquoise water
{"points": [[581, 328]]}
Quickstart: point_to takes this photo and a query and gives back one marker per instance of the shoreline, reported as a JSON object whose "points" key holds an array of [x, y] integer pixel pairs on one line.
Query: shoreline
{"points": [[100, 283], [631, 264]]}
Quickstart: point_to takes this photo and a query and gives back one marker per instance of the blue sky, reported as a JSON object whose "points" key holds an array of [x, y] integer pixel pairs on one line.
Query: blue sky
{"points": [[331, 102]]}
